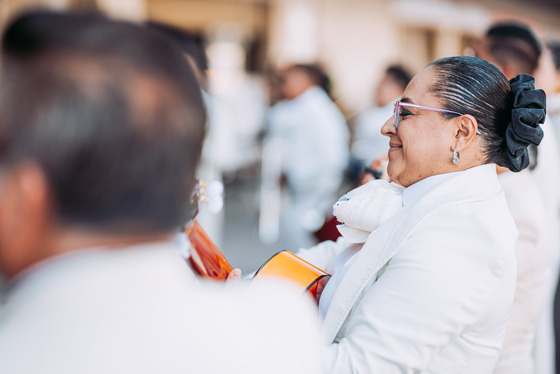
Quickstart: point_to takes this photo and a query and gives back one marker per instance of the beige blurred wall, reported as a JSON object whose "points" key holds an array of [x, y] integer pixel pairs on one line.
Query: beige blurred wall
{"points": [[205, 14], [357, 39], [10, 7], [126, 9], [354, 39]]}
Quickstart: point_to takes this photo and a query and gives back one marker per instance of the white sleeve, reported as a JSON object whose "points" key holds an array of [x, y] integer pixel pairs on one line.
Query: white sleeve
{"points": [[323, 254]]}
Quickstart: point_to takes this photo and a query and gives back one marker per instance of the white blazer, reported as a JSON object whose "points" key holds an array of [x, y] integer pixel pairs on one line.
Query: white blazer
{"points": [[431, 289]]}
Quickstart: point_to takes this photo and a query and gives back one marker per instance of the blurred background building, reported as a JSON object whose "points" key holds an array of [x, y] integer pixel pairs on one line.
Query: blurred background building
{"points": [[353, 40]]}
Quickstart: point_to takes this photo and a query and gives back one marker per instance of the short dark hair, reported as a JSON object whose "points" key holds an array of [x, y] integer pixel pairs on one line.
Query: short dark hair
{"points": [[111, 113], [471, 85], [186, 41], [316, 73], [555, 51], [514, 42], [399, 75]]}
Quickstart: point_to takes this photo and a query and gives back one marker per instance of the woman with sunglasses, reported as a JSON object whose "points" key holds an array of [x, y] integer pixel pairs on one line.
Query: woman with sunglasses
{"points": [[424, 275]]}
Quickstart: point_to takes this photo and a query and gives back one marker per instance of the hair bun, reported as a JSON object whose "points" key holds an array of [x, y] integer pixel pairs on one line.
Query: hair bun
{"points": [[529, 110]]}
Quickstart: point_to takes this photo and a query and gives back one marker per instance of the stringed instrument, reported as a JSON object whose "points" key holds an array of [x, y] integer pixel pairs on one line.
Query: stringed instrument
{"points": [[210, 263], [287, 265]]}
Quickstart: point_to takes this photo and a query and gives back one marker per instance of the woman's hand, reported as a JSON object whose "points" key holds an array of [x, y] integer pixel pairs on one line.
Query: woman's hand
{"points": [[234, 275]]}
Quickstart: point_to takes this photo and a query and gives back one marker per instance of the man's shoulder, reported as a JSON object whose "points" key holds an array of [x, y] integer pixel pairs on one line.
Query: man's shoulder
{"points": [[162, 320]]}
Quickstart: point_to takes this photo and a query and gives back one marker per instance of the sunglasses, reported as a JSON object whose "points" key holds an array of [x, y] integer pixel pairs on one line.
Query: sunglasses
{"points": [[399, 105]]}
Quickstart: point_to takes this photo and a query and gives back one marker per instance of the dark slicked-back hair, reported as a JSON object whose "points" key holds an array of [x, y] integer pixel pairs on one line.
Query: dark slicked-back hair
{"points": [[111, 113], [514, 42], [471, 85]]}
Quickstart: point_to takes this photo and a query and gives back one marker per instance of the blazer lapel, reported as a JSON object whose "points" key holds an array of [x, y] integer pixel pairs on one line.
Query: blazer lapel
{"points": [[362, 270]]}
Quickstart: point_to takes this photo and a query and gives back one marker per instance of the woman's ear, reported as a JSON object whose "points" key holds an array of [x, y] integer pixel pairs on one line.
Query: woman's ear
{"points": [[467, 127]]}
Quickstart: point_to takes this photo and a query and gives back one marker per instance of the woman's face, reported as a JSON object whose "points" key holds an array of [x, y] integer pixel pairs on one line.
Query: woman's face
{"points": [[423, 145]]}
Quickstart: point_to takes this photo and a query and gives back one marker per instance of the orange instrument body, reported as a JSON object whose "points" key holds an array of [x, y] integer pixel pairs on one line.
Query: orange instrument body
{"points": [[287, 265], [210, 263], [206, 259]]}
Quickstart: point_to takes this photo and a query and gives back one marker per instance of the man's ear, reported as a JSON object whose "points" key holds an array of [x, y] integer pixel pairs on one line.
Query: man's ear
{"points": [[467, 126], [25, 217]]}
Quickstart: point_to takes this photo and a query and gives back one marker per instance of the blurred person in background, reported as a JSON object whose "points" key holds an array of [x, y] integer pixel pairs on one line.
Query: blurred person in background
{"points": [[553, 103], [528, 345], [101, 128], [369, 144], [313, 138], [423, 278], [553, 107], [210, 167]]}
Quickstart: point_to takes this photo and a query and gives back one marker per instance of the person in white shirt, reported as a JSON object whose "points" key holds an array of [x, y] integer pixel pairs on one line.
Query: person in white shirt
{"points": [[101, 129], [553, 100], [313, 138], [514, 48], [424, 274]]}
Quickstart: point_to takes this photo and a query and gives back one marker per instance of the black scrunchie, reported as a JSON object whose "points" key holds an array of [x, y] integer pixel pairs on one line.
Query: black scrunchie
{"points": [[529, 110]]}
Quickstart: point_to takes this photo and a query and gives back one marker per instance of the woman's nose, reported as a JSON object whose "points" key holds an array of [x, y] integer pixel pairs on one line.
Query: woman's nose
{"points": [[388, 128]]}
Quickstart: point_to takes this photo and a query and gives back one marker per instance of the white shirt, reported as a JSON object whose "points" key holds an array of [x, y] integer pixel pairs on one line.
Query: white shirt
{"points": [[531, 250], [341, 264], [314, 139], [141, 310], [415, 191]]}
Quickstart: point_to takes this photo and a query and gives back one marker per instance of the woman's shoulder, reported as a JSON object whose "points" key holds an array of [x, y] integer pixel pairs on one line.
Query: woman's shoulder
{"points": [[476, 238]]}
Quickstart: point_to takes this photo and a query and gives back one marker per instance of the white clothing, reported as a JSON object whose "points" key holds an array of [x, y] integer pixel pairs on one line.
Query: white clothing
{"points": [[340, 267], [547, 177], [353, 210], [415, 192], [553, 112], [528, 211], [141, 310], [370, 144], [547, 171], [431, 289], [314, 154]]}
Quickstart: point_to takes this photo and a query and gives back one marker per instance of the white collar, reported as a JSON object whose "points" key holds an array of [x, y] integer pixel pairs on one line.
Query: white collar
{"points": [[415, 191]]}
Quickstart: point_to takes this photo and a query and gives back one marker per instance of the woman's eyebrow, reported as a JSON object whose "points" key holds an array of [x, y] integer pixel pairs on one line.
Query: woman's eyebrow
{"points": [[407, 100]]}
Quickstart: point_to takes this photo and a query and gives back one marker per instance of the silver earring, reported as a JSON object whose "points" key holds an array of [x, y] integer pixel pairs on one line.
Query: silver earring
{"points": [[455, 157]]}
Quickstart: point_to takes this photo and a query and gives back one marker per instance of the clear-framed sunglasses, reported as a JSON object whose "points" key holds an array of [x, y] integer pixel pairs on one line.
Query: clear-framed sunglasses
{"points": [[399, 105]]}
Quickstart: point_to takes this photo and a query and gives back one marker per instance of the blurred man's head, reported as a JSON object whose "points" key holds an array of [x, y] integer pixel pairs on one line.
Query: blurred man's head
{"points": [[555, 51], [189, 45], [296, 79], [101, 127], [392, 85], [511, 46]]}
